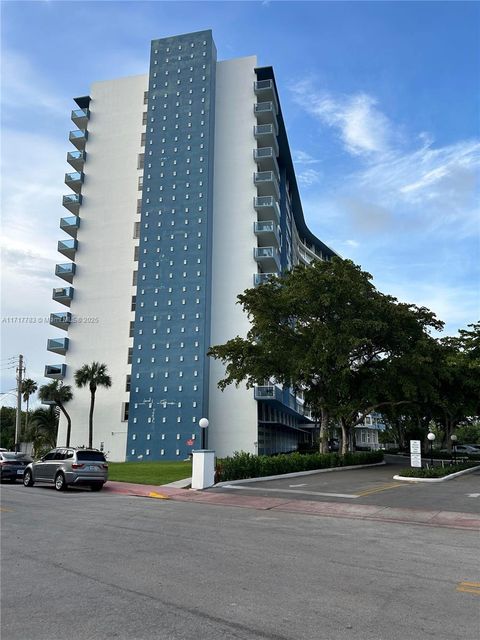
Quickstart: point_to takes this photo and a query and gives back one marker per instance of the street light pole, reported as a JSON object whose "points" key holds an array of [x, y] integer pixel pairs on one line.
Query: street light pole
{"points": [[203, 424], [431, 437], [18, 420]]}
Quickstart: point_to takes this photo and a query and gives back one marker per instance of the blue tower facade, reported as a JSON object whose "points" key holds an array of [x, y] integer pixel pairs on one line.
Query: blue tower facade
{"points": [[169, 379]]}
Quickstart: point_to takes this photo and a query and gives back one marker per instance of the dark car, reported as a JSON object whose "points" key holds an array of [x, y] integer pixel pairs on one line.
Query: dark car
{"points": [[66, 466], [12, 465]]}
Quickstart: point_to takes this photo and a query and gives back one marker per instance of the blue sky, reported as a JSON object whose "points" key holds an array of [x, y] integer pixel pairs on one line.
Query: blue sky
{"points": [[381, 103]]}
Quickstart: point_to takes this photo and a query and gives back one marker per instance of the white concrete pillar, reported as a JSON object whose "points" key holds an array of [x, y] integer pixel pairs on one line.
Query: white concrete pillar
{"points": [[203, 469]]}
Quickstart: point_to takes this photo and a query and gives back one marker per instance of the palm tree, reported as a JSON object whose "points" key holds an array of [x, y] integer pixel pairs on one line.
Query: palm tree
{"points": [[43, 429], [95, 375], [58, 393], [29, 387]]}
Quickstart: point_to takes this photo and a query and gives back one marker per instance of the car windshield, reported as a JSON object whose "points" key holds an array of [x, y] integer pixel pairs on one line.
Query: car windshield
{"points": [[90, 455], [14, 456]]}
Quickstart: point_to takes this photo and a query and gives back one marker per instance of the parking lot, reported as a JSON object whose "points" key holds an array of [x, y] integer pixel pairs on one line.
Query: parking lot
{"points": [[371, 486]]}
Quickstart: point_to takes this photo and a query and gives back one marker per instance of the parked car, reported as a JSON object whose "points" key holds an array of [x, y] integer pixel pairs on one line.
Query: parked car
{"points": [[12, 465], [69, 466], [467, 448]]}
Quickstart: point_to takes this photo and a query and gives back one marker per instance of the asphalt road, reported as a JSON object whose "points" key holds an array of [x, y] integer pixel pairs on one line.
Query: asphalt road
{"points": [[98, 566], [374, 486]]}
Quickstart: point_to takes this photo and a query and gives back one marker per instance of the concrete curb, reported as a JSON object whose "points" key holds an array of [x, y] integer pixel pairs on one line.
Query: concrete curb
{"points": [[452, 476], [180, 484], [298, 474]]}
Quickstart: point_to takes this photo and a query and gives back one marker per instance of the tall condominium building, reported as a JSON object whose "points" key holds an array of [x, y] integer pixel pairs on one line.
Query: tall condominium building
{"points": [[183, 196]]}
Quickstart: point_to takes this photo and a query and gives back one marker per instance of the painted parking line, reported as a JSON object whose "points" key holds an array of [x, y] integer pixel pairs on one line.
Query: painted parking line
{"points": [[469, 587], [4, 509], [380, 488], [280, 490]]}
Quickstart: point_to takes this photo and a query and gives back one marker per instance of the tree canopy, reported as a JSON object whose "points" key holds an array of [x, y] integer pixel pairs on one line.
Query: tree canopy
{"points": [[327, 330]]}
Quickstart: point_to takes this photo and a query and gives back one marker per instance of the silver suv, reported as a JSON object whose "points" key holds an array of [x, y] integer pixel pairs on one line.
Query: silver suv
{"points": [[69, 466]]}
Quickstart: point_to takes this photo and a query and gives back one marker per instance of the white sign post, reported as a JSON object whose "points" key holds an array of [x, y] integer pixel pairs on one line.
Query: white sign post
{"points": [[415, 453]]}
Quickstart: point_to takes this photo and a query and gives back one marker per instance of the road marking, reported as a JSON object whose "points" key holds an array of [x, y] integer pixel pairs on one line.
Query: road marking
{"points": [[469, 587], [4, 509], [473, 495], [160, 496], [308, 493], [297, 485], [383, 487]]}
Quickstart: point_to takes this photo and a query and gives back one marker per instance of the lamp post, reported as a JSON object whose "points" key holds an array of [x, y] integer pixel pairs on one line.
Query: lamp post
{"points": [[453, 438], [431, 437], [203, 424]]}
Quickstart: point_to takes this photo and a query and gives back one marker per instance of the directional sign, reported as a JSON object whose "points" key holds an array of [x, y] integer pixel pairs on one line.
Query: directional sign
{"points": [[415, 446], [415, 460]]}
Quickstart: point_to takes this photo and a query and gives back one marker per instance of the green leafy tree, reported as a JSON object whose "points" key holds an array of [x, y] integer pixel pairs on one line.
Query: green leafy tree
{"points": [[94, 375], [7, 426], [327, 330], [29, 387], [43, 430], [59, 394]]}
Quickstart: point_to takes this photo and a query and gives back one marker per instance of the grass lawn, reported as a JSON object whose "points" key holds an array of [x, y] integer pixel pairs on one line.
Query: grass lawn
{"points": [[156, 473]]}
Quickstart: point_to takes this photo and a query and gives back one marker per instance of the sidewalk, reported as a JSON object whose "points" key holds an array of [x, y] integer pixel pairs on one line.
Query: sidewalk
{"points": [[434, 518]]}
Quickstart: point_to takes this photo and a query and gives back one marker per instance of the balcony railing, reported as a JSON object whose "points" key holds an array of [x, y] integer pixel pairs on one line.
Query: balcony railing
{"points": [[58, 345], [262, 278], [61, 320], [265, 90], [70, 225], [267, 184], [68, 248], [267, 232], [72, 202], [74, 180], [63, 295], [266, 134], [268, 392], [268, 257], [78, 138], [266, 112], [267, 208], [76, 159], [80, 118], [55, 371], [66, 271]]}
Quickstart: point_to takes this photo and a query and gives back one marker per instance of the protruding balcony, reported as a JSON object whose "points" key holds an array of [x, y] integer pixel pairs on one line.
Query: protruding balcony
{"points": [[61, 320], [70, 225], [78, 138], [74, 180], [64, 295], [267, 233], [76, 159], [66, 271], [80, 118], [268, 257], [55, 371], [266, 159], [267, 208], [262, 278], [265, 90], [58, 345], [265, 112], [72, 202], [266, 135], [268, 392], [267, 184], [68, 248]]}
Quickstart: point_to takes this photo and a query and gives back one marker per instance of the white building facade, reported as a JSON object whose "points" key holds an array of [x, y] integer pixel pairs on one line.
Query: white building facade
{"points": [[183, 196]]}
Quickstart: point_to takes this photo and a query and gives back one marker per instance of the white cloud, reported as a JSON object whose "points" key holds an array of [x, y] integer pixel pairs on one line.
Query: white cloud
{"points": [[363, 128], [308, 177], [24, 87], [302, 157]]}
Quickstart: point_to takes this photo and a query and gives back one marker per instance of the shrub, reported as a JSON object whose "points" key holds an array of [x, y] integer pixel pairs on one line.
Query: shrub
{"points": [[244, 465], [435, 472]]}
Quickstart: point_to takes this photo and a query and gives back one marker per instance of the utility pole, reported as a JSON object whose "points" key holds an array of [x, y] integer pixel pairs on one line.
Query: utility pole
{"points": [[18, 421]]}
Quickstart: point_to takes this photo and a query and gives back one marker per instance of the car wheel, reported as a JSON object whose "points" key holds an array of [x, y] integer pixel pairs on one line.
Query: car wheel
{"points": [[60, 483], [98, 486], [28, 479]]}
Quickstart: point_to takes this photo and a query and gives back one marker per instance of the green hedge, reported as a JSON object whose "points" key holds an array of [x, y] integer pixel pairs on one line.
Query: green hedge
{"points": [[436, 472], [244, 465]]}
